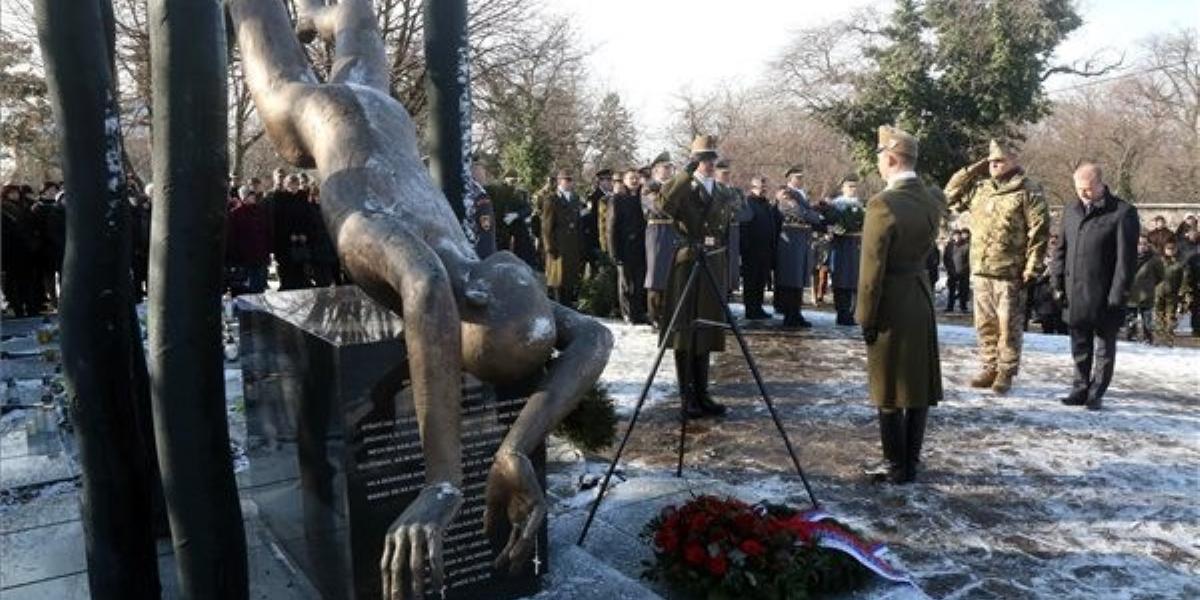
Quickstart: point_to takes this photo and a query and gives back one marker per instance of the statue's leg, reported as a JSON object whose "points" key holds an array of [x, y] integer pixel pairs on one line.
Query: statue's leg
{"points": [[277, 72], [359, 56], [397, 268]]}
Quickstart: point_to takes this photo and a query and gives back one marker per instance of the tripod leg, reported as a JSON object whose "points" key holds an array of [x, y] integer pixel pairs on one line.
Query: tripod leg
{"points": [[637, 409], [762, 388]]}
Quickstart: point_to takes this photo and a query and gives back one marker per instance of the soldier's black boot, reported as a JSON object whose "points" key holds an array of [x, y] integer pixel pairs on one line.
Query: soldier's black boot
{"points": [[891, 437], [687, 394], [700, 387], [914, 436]]}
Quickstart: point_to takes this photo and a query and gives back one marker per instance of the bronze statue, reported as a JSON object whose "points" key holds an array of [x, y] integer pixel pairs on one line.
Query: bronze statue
{"points": [[400, 241]]}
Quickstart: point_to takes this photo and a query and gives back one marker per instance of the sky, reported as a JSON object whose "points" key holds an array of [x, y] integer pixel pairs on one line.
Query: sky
{"points": [[646, 50]]}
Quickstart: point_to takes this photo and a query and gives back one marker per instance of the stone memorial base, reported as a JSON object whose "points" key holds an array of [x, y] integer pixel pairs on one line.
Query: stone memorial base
{"points": [[334, 450]]}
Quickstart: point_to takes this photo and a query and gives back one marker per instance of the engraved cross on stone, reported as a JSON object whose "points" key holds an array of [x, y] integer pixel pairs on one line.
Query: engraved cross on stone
{"points": [[537, 562], [443, 591]]}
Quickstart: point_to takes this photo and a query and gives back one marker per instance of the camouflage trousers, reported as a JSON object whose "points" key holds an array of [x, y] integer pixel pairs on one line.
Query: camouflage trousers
{"points": [[999, 322], [1165, 319]]}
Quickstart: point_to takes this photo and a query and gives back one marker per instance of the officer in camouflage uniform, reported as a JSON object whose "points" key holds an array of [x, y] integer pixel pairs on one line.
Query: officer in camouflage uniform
{"points": [[1010, 228], [700, 210], [1167, 295], [660, 240]]}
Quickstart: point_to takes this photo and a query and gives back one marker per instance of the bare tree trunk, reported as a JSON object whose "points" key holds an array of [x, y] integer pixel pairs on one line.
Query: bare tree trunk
{"points": [[187, 45], [102, 352]]}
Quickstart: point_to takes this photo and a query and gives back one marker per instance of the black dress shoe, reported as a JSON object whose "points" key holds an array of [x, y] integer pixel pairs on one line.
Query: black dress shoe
{"points": [[757, 315]]}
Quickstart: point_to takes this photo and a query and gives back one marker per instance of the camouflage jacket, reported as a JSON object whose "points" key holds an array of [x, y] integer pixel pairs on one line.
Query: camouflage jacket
{"points": [[1010, 223]]}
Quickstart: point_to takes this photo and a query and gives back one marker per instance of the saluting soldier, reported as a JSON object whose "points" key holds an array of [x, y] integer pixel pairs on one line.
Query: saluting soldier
{"points": [[561, 240], [660, 240], [626, 235], [895, 306], [847, 216], [793, 262], [699, 209], [591, 223], [1010, 229], [740, 214]]}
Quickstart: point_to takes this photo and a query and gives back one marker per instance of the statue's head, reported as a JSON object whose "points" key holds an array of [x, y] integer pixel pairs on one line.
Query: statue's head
{"points": [[507, 321]]}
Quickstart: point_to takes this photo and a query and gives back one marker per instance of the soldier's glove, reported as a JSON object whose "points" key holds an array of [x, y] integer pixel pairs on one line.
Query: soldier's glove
{"points": [[691, 166], [870, 334]]}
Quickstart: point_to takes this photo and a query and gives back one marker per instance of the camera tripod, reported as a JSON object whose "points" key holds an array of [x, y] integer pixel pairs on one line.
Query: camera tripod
{"points": [[700, 270]]}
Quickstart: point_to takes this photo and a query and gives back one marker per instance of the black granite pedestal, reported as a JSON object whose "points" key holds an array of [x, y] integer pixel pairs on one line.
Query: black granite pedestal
{"points": [[334, 450]]}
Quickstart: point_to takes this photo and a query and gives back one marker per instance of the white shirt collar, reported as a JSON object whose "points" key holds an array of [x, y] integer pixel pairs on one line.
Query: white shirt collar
{"points": [[895, 178], [708, 182]]}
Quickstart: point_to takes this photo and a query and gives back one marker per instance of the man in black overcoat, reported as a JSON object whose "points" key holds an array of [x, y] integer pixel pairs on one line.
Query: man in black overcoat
{"points": [[1093, 267]]}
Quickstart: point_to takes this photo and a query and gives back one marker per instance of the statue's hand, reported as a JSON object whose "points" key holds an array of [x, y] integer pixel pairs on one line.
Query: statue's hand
{"points": [[415, 540], [513, 490]]}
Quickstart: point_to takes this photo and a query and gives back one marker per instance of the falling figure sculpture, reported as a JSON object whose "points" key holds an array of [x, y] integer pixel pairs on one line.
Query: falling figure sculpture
{"points": [[401, 242]]}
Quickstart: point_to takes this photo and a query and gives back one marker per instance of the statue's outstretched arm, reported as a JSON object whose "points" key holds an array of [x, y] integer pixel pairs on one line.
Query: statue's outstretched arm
{"points": [[512, 489]]}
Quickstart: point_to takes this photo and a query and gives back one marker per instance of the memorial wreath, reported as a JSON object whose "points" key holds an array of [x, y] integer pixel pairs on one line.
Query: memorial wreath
{"points": [[726, 548]]}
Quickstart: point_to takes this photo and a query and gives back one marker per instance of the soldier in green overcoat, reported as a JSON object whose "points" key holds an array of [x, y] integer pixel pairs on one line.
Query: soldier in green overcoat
{"points": [[700, 209], [562, 241], [895, 306]]}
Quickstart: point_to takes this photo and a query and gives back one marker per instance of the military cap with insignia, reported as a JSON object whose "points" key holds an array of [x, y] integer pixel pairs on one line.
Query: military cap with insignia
{"points": [[897, 141], [662, 157], [723, 164], [794, 169], [704, 147], [604, 174]]}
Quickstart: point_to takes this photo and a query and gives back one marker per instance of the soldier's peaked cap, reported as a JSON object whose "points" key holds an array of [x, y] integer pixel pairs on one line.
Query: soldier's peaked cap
{"points": [[723, 164], [793, 170], [662, 157], [604, 174], [894, 139]]}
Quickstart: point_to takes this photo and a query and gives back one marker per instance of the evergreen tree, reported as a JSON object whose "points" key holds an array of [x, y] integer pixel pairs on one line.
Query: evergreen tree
{"points": [[613, 139], [956, 73]]}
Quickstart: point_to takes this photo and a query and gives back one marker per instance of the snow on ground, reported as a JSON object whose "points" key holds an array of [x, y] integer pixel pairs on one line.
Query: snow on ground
{"points": [[1019, 495]]}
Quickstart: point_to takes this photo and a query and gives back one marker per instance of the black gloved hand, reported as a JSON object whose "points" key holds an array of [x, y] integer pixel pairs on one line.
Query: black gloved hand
{"points": [[691, 166], [870, 334]]}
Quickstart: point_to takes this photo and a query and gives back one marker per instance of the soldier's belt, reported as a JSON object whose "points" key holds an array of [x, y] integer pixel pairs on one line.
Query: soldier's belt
{"points": [[797, 226], [659, 221]]}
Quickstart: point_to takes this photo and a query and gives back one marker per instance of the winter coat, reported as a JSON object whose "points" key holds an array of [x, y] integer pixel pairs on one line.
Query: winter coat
{"points": [[660, 239], [700, 220], [957, 258], [1010, 223], [758, 233], [589, 224], [626, 230], [561, 239], [290, 215], [248, 241], [1095, 258], [50, 219], [793, 257], [895, 297], [1159, 238]]}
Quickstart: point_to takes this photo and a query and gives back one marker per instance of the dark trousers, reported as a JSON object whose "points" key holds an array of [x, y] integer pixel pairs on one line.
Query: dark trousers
{"points": [[655, 299], [754, 284], [1094, 348], [958, 287], [631, 291], [1141, 323], [843, 302], [787, 300]]}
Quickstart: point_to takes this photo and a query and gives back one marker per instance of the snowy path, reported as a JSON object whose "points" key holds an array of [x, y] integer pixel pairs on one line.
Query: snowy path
{"points": [[1020, 496]]}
